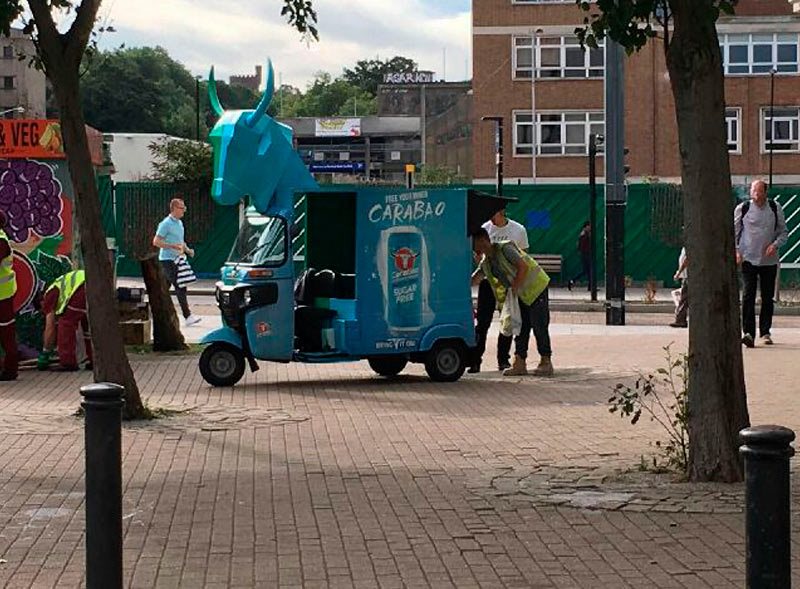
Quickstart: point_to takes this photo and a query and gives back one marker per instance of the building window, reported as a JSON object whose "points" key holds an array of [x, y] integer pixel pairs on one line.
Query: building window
{"points": [[562, 133], [733, 125], [781, 129], [8, 52], [759, 53], [8, 83], [557, 57]]}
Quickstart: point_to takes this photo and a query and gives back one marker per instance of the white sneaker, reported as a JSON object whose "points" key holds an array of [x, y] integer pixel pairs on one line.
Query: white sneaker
{"points": [[191, 320]]}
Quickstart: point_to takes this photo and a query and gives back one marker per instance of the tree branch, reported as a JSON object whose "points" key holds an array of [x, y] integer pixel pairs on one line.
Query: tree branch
{"points": [[50, 41], [81, 30]]}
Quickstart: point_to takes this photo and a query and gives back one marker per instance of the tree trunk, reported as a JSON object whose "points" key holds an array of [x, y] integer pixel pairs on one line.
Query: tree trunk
{"points": [[110, 360], [167, 336], [717, 397]]}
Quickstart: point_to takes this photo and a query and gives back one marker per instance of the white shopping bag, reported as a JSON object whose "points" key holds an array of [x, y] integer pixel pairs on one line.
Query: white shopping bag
{"points": [[676, 296], [510, 316]]}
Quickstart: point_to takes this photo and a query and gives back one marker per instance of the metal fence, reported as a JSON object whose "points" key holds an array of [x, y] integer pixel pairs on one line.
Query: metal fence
{"points": [[553, 215], [140, 206]]}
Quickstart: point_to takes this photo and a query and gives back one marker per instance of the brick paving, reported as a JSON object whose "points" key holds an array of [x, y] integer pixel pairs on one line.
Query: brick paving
{"points": [[326, 476]]}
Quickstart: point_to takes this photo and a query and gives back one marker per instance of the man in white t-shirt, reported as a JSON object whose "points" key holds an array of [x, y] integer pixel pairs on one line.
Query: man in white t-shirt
{"points": [[499, 228]]}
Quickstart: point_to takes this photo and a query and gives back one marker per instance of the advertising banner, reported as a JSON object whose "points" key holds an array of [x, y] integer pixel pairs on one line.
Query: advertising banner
{"points": [[337, 127], [413, 264]]}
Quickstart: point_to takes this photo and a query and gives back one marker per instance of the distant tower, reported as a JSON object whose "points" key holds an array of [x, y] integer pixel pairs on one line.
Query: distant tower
{"points": [[252, 82]]}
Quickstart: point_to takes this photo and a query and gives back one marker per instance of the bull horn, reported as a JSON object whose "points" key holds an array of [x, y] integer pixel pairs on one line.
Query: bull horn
{"points": [[266, 98], [212, 94]]}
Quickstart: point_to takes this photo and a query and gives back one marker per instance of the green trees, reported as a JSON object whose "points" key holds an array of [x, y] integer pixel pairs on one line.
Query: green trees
{"points": [[687, 30], [368, 73], [326, 97], [144, 90]]}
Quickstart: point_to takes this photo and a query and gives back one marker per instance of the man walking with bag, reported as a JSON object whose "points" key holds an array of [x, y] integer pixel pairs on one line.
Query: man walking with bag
{"points": [[507, 268], [760, 231], [170, 239]]}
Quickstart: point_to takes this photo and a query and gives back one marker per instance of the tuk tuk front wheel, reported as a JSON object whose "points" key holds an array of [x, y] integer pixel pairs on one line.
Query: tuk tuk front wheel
{"points": [[388, 365], [446, 361], [222, 365]]}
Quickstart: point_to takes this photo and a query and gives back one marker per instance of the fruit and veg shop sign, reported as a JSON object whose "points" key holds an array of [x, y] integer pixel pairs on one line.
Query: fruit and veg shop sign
{"points": [[34, 138]]}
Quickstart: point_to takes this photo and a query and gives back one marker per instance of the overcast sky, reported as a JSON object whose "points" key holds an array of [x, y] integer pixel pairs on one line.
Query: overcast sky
{"points": [[236, 35]]}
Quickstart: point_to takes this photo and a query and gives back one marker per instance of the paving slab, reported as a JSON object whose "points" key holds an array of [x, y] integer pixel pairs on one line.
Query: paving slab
{"points": [[328, 476]]}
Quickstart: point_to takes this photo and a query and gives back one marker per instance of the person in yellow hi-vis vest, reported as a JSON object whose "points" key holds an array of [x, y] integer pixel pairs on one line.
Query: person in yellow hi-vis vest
{"points": [[506, 267], [64, 308], [8, 287]]}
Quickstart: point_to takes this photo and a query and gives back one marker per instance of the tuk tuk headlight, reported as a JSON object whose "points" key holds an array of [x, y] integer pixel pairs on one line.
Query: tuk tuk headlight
{"points": [[246, 297]]}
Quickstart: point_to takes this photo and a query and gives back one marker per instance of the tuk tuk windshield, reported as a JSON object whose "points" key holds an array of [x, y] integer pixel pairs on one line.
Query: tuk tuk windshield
{"points": [[261, 241]]}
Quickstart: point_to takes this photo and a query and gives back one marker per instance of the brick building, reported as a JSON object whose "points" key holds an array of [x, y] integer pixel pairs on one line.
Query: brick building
{"points": [[513, 38]]}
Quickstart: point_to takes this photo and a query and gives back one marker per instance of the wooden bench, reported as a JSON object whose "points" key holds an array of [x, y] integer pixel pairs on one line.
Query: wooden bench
{"points": [[550, 263]]}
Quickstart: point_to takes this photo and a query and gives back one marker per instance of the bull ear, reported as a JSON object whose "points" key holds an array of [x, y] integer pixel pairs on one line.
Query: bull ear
{"points": [[266, 98], [213, 99]]}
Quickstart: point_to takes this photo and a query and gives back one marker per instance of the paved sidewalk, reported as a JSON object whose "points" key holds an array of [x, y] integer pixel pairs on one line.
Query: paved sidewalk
{"points": [[326, 476]]}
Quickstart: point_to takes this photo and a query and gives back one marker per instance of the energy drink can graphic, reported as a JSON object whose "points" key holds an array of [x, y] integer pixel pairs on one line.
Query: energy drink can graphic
{"points": [[405, 285]]}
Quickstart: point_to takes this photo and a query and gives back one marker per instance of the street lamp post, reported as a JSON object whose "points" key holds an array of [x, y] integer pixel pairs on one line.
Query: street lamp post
{"points": [[19, 109], [498, 146], [534, 138], [595, 141], [772, 73]]}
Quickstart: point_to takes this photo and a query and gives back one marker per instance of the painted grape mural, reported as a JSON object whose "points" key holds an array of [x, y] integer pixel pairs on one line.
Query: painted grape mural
{"points": [[30, 195], [39, 226]]}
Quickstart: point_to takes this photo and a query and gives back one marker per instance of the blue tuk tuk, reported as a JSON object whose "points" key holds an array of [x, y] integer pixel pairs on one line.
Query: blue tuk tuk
{"points": [[386, 272]]}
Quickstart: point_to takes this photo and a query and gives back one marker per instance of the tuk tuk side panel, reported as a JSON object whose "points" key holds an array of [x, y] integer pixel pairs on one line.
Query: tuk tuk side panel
{"points": [[413, 266]]}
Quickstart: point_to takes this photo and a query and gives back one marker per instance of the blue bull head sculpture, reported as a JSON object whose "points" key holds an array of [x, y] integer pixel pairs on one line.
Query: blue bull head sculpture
{"points": [[254, 155]]}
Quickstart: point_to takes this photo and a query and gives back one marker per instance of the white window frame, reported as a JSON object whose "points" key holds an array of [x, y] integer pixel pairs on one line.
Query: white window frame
{"points": [[592, 123], [733, 118], [516, 123], [751, 40], [544, 41], [792, 143]]}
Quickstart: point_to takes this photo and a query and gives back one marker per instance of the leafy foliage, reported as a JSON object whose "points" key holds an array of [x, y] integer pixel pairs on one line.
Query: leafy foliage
{"points": [[368, 73], [440, 176], [144, 90], [182, 161], [301, 15], [631, 23], [328, 97], [664, 398]]}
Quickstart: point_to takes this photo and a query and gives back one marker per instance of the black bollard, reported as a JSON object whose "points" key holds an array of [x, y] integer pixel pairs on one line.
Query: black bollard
{"points": [[102, 405], [767, 450]]}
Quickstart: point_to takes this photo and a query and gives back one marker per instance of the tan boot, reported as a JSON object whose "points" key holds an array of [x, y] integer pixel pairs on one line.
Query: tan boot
{"points": [[545, 367], [518, 368]]}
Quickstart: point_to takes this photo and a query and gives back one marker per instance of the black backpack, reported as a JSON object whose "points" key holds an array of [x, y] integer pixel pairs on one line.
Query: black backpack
{"points": [[772, 204]]}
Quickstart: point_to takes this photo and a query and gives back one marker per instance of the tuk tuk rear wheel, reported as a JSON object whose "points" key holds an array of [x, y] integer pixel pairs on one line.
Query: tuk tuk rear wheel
{"points": [[388, 365], [446, 361], [222, 365]]}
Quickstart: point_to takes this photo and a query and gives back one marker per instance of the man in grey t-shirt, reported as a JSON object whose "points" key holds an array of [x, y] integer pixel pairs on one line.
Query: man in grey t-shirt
{"points": [[760, 231]]}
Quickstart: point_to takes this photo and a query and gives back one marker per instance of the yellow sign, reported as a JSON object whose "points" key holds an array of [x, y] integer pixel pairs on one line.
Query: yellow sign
{"points": [[410, 168]]}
